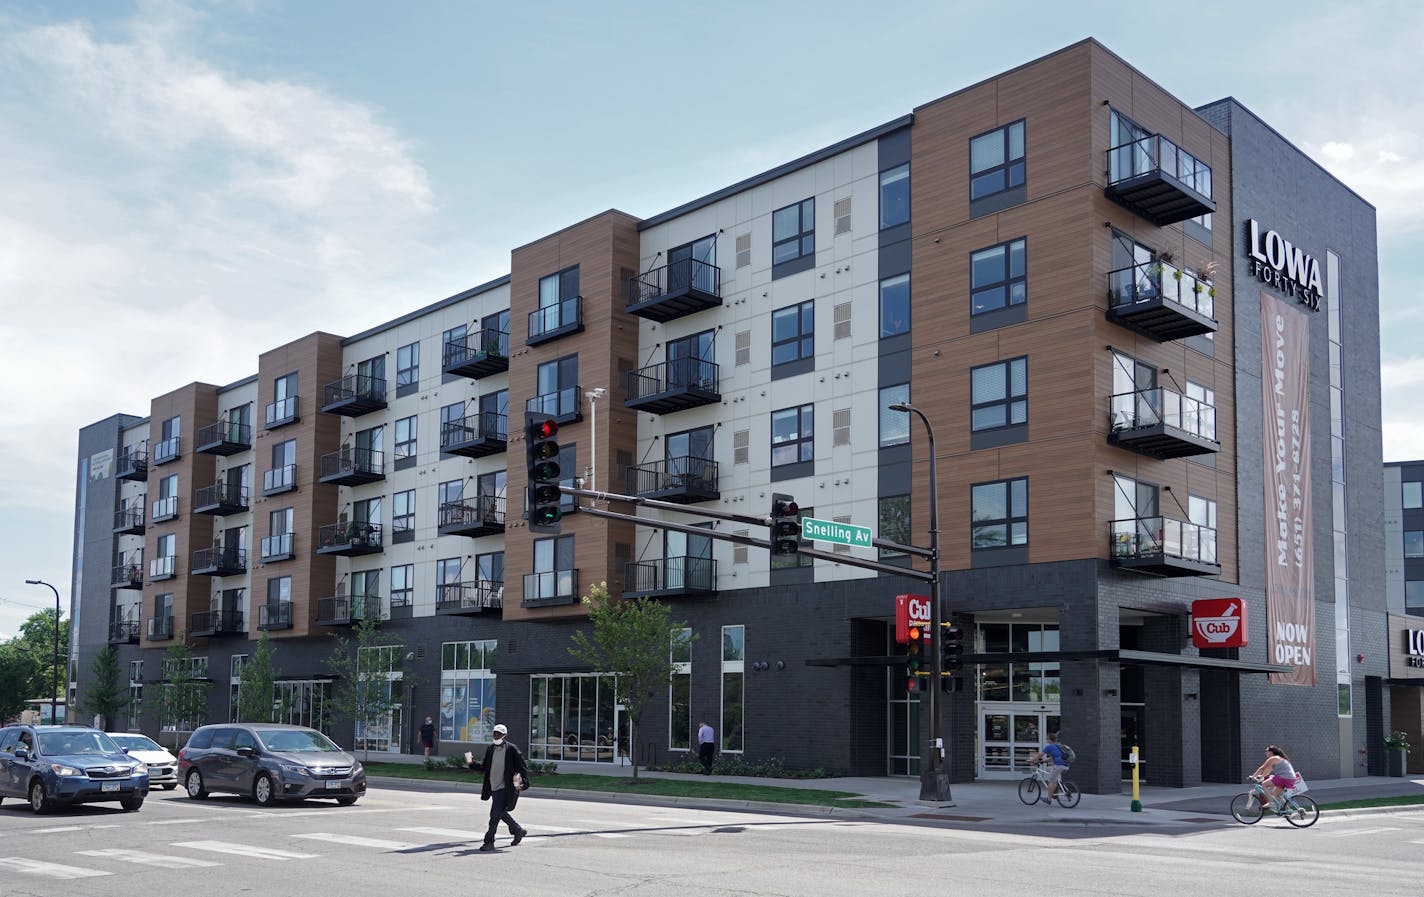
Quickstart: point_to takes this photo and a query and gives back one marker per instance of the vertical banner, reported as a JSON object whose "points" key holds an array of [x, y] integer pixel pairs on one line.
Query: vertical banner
{"points": [[1290, 584]]}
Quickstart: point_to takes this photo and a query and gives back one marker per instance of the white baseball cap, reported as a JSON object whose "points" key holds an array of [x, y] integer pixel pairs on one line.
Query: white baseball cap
{"points": [[501, 730]]}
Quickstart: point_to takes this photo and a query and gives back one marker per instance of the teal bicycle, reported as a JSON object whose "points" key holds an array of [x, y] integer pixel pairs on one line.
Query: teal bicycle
{"points": [[1299, 810]]}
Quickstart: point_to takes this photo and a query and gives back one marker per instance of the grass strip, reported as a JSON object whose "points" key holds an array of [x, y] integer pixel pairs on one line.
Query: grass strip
{"points": [[659, 787], [1402, 800]]}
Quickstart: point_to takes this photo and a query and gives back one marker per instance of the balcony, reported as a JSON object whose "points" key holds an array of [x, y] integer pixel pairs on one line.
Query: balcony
{"points": [[274, 615], [476, 355], [279, 480], [1162, 546], [475, 435], [554, 321], [127, 576], [565, 406], [124, 632], [353, 467], [1161, 302], [166, 451], [165, 508], [347, 610], [469, 598], [669, 577], [278, 548], [354, 395], [1162, 424], [282, 412], [349, 539], [162, 568], [133, 464], [484, 516], [1159, 180], [550, 588], [684, 480], [219, 561], [217, 624], [222, 499], [129, 521], [224, 438], [160, 629], [674, 386], [673, 291]]}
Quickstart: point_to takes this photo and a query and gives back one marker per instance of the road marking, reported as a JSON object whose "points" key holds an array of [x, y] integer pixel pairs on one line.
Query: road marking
{"points": [[356, 841], [1335, 833], [176, 821], [461, 834], [246, 850], [62, 828], [48, 870], [147, 859]]}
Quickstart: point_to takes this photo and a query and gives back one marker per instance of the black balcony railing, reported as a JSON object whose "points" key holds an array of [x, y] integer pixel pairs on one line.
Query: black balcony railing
{"points": [[353, 466], [475, 435], [128, 575], [133, 463], [349, 539], [274, 615], [1159, 180], [1161, 301], [670, 576], [1163, 546], [482, 515], [160, 629], [129, 520], [166, 450], [282, 412], [566, 405], [278, 548], [550, 587], [471, 597], [210, 623], [1163, 424], [124, 632], [279, 479], [221, 499], [681, 288], [347, 610], [553, 321], [219, 561], [476, 355], [674, 386], [165, 508], [354, 395], [683, 479], [224, 438], [162, 568]]}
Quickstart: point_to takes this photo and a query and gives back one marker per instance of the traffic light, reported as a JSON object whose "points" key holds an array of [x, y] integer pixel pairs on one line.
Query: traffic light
{"points": [[785, 524], [951, 647], [541, 452], [914, 658]]}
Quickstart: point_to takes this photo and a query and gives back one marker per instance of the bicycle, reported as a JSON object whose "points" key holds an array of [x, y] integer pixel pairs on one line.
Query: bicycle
{"points": [[1299, 810], [1067, 793]]}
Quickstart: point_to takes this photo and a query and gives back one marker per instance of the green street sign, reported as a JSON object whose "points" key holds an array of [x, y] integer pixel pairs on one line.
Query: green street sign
{"points": [[841, 533]]}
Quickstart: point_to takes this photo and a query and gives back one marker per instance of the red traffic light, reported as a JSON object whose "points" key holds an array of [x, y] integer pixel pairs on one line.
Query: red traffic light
{"points": [[543, 429], [914, 633]]}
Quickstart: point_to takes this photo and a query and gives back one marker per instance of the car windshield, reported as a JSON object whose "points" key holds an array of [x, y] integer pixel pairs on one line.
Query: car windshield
{"points": [[55, 744], [284, 740], [136, 743]]}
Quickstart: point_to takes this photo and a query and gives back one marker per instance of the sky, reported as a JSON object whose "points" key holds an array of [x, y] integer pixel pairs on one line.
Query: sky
{"points": [[187, 185]]}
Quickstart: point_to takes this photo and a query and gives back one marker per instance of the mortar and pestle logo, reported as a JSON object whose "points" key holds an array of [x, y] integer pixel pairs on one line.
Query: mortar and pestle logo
{"points": [[1219, 629]]}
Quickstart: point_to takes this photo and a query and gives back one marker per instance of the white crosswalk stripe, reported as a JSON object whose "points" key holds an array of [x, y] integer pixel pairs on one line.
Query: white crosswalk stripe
{"points": [[1348, 833], [246, 850], [456, 833], [139, 857], [48, 870], [356, 841]]}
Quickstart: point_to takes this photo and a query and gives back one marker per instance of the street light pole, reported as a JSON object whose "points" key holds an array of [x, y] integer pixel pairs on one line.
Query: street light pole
{"points": [[934, 778], [54, 697]]}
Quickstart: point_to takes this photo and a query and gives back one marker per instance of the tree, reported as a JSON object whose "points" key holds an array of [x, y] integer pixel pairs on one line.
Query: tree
{"points": [[257, 687], [102, 697], [370, 671], [27, 663], [183, 699], [632, 640]]}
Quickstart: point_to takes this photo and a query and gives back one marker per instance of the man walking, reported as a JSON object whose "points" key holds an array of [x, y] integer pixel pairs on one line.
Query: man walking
{"points": [[505, 776], [706, 747]]}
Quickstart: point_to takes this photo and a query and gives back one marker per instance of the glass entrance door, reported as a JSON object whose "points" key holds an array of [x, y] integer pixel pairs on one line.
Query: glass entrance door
{"points": [[1010, 734], [620, 729]]}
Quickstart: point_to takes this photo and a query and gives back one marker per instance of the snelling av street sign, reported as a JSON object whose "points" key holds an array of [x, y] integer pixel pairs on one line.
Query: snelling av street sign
{"points": [[841, 533]]}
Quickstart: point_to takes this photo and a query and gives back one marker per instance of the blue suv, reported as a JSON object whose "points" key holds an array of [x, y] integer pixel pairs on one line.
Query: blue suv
{"points": [[55, 765]]}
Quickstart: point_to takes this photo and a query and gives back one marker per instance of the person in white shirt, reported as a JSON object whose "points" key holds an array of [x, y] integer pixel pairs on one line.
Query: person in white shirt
{"points": [[706, 747]]}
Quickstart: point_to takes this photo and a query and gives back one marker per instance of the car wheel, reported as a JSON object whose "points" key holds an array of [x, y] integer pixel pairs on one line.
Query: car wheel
{"points": [[194, 784], [131, 804], [262, 791], [39, 801], [170, 787], [346, 801]]}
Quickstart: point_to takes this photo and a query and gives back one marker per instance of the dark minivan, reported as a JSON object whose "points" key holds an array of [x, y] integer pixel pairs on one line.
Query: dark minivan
{"points": [[52, 766], [268, 762]]}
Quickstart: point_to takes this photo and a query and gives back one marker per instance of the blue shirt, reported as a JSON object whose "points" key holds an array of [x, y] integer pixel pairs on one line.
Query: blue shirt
{"points": [[1054, 751]]}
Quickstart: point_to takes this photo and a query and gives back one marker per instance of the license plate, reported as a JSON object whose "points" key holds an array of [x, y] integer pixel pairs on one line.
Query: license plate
{"points": [[108, 786], [332, 786]]}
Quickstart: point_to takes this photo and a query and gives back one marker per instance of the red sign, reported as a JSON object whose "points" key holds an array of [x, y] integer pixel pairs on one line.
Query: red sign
{"points": [[910, 609], [1219, 623]]}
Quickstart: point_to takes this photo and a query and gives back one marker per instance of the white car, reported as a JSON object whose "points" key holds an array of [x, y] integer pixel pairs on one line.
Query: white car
{"points": [[162, 765]]}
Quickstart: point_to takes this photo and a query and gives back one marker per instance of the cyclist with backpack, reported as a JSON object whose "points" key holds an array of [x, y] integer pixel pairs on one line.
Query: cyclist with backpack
{"points": [[1056, 753]]}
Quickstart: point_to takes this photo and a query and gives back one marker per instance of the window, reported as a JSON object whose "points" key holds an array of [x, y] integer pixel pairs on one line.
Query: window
{"points": [[1414, 543], [996, 161], [284, 401], [793, 333], [1413, 494], [792, 435], [279, 590], [489, 570], [1198, 411], [894, 523], [999, 516], [556, 388], [403, 511], [998, 394], [403, 585], [166, 448], [455, 335], [553, 575], [165, 507], [452, 423], [793, 232], [1414, 597], [558, 310], [406, 437], [998, 276], [895, 196], [734, 639], [282, 476], [1202, 512], [494, 414], [408, 365], [680, 691], [447, 580], [467, 690], [895, 305], [894, 425]]}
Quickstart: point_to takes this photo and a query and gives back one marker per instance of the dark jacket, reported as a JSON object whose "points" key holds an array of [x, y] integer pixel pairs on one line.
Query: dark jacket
{"points": [[513, 762]]}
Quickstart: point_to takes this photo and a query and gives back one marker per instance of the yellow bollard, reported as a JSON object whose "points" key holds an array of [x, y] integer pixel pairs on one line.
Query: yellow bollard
{"points": [[1136, 797]]}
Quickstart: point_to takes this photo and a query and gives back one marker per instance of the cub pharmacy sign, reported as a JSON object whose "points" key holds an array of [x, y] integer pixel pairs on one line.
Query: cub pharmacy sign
{"points": [[1283, 265]]}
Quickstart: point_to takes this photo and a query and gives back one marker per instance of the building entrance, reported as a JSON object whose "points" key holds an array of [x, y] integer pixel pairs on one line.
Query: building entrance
{"points": [[1010, 734]]}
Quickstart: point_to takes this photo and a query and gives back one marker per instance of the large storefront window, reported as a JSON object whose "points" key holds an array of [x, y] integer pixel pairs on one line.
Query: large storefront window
{"points": [[1035, 682], [380, 668], [467, 690], [1018, 701], [576, 717], [303, 703]]}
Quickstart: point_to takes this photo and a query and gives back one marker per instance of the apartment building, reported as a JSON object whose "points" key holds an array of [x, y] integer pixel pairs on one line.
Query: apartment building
{"points": [[1404, 590], [1146, 336]]}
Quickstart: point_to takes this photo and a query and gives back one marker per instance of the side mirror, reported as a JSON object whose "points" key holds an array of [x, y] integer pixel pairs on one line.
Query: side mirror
{"points": [[247, 751], [22, 753]]}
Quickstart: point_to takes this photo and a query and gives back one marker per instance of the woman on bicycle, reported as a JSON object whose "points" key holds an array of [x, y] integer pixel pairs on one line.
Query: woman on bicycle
{"points": [[1276, 774]]}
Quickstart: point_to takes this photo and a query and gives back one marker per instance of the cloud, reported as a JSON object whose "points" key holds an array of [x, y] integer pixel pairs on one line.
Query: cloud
{"points": [[1401, 380]]}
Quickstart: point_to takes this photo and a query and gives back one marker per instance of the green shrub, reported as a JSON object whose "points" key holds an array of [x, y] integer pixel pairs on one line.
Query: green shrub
{"points": [[737, 765]]}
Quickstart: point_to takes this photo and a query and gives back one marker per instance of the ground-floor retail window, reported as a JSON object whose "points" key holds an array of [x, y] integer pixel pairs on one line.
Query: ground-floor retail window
{"points": [[303, 703], [467, 690], [904, 727], [577, 718], [734, 644], [1018, 701]]}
